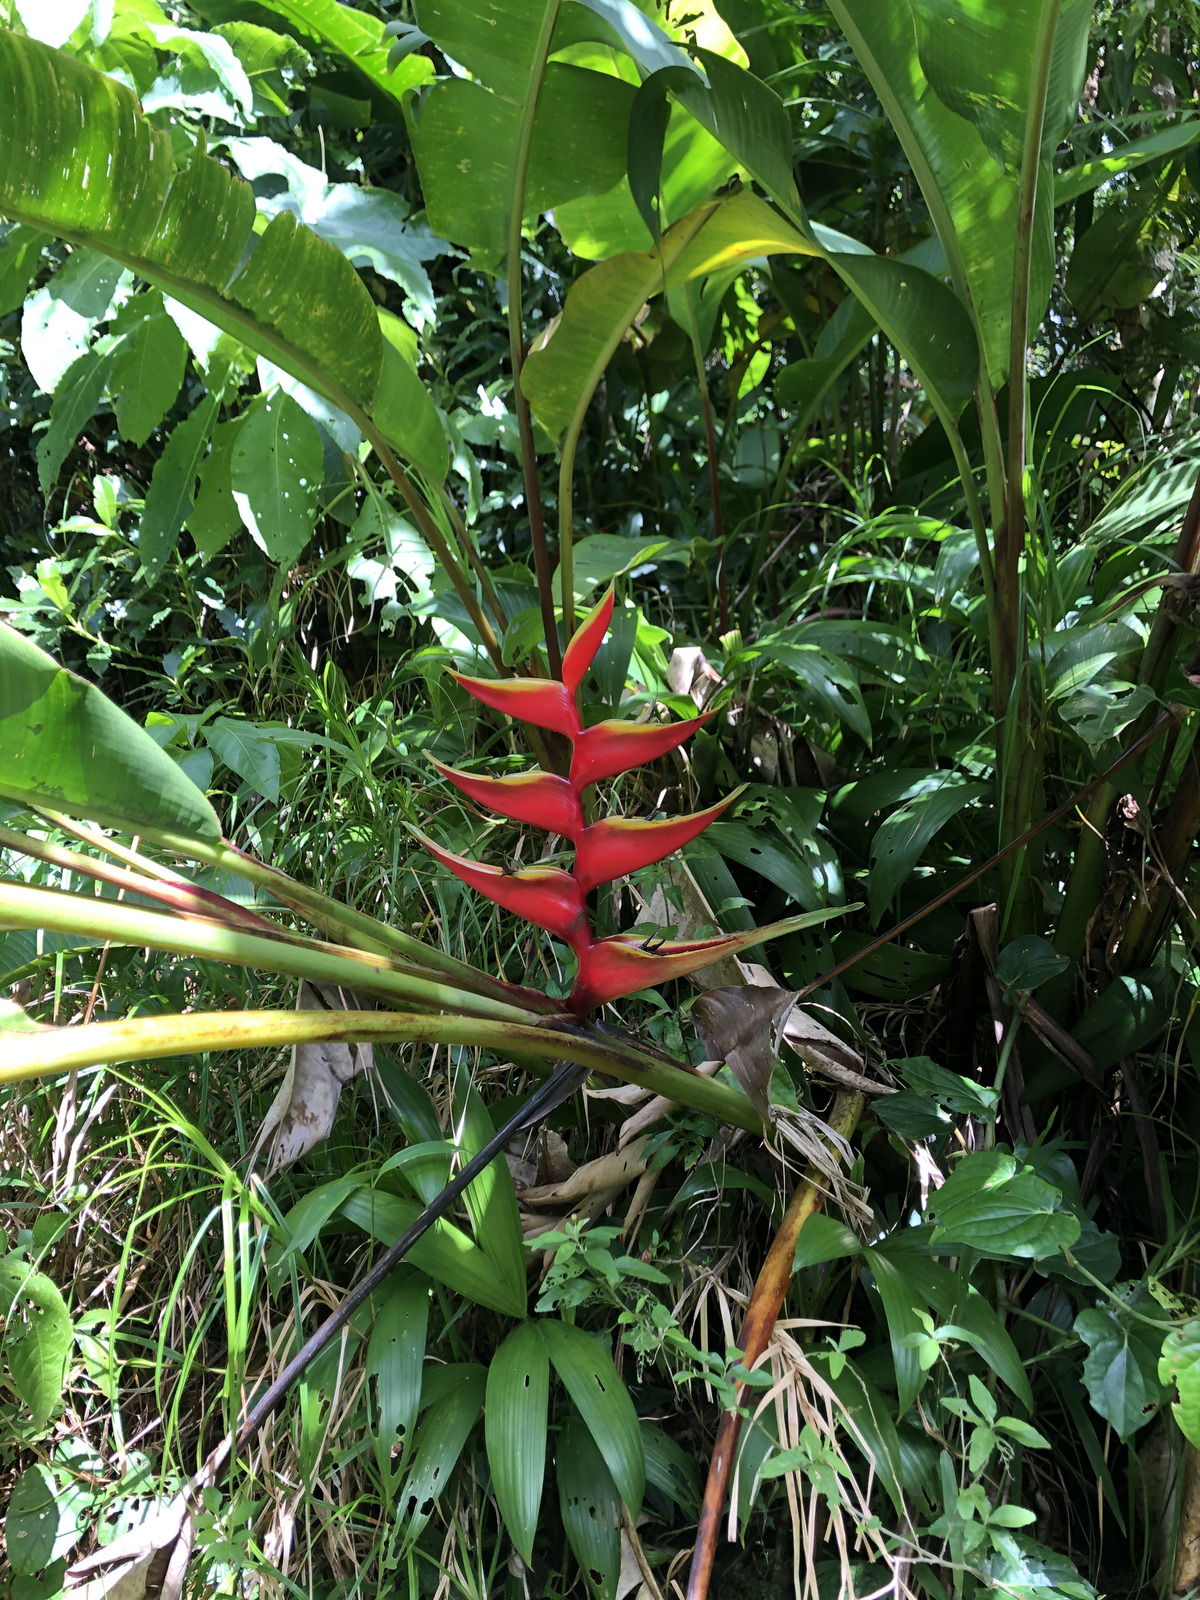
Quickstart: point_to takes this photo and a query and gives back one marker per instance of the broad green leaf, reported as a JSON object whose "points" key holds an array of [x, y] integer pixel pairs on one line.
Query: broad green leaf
{"points": [[694, 167], [308, 1216], [871, 1427], [1121, 1373], [344, 31], [37, 1336], [669, 1468], [275, 471], [1128, 1014], [31, 1521], [77, 396], [761, 850], [1071, 182], [603, 1402], [924, 319], [830, 685], [265, 57], [491, 1200], [991, 1204], [822, 1239], [214, 519], [900, 841], [590, 1506], [1112, 265], [445, 1252], [518, 1395], [466, 146], [394, 1370], [957, 1302], [169, 499], [561, 375], [439, 1441], [147, 366], [65, 745], [972, 200], [369, 226], [901, 1303], [20, 257], [1179, 1364], [100, 175], [979, 58]]}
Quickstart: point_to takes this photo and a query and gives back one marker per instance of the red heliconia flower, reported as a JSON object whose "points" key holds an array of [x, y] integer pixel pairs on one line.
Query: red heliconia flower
{"points": [[555, 900]]}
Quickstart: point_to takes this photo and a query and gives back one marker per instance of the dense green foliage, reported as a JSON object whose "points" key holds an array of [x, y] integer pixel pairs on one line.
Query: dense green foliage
{"points": [[767, 271]]}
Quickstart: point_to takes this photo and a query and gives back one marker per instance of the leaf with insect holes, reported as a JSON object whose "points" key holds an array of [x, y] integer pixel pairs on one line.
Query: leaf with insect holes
{"points": [[37, 1336], [518, 1394], [276, 470]]}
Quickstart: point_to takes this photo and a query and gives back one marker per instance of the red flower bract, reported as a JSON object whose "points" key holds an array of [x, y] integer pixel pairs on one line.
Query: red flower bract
{"points": [[554, 900]]}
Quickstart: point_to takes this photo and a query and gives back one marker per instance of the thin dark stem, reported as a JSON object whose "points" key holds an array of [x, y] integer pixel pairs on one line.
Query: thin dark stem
{"points": [[558, 1087]]}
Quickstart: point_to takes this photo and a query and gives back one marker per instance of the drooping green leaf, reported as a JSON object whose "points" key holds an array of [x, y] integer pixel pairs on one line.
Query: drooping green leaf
{"points": [[590, 1506], [1179, 1364], [830, 685], [100, 175], [37, 1336], [31, 1521], [466, 146], [518, 1395], [170, 497], [491, 1199], [20, 256], [1128, 1014], [901, 1304], [213, 520], [445, 1252], [266, 56], [65, 745], [560, 376], [957, 1302], [439, 1442], [147, 366], [353, 36], [77, 396], [1121, 1373], [991, 1204], [1071, 182], [900, 841], [603, 1402], [395, 1366], [275, 471], [822, 1239]]}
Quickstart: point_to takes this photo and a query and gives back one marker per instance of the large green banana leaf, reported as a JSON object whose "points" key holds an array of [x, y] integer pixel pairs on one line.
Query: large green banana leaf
{"points": [[65, 745], [81, 162]]}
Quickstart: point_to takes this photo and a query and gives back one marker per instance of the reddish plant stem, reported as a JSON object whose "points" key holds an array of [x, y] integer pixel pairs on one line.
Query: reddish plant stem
{"points": [[761, 1315]]}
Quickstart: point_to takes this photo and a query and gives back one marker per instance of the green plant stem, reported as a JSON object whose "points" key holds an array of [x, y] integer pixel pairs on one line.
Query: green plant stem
{"points": [[1020, 774], [347, 926], [714, 459], [432, 535], [184, 898], [1006, 1050], [22, 907], [516, 346], [38, 1051]]}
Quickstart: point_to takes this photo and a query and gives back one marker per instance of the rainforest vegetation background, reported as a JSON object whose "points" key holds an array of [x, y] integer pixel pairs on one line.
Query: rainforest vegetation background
{"points": [[856, 348]]}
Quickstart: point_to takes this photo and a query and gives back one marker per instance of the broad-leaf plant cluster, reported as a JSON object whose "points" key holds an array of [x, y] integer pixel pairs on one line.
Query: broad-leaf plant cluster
{"points": [[646, 547]]}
